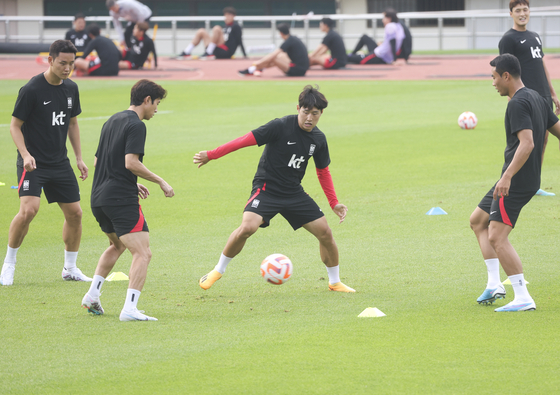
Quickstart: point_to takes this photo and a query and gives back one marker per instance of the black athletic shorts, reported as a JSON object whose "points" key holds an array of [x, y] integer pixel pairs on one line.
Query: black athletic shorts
{"points": [[96, 68], [222, 52], [121, 220], [59, 183], [295, 71], [505, 209], [299, 209]]}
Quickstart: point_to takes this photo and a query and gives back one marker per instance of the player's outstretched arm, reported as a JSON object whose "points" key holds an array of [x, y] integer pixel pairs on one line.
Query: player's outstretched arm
{"points": [[555, 130], [29, 163], [74, 136], [132, 163], [204, 157]]}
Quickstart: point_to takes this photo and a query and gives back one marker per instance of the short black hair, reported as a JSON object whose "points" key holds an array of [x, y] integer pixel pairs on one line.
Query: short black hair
{"points": [[515, 3], [145, 88], [229, 10], [391, 13], [283, 28], [94, 30], [79, 15], [328, 21], [64, 46], [110, 3], [507, 63], [311, 97]]}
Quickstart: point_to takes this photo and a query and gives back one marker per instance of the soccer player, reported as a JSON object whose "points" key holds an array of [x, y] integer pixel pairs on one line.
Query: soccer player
{"points": [[528, 116], [388, 50], [333, 42], [291, 142], [106, 63], [131, 10], [114, 196], [139, 46], [223, 42], [291, 57], [45, 113], [78, 35]]}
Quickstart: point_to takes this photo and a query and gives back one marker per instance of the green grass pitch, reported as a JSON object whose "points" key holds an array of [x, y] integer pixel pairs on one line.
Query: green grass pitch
{"points": [[396, 152]]}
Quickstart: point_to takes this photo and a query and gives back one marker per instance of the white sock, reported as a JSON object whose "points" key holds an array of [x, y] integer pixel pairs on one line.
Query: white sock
{"points": [[520, 288], [95, 287], [11, 255], [189, 49], [70, 258], [252, 69], [334, 277], [132, 296], [210, 48], [493, 266], [222, 264]]}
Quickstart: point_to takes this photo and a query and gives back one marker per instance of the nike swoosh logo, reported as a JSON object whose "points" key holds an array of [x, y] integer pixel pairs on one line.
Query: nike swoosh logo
{"points": [[46, 102], [522, 42], [290, 143], [492, 212]]}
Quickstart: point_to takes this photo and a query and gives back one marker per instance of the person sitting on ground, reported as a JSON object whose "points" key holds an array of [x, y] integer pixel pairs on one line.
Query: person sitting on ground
{"points": [[78, 35], [386, 52], [333, 42], [131, 10], [108, 56], [223, 42], [291, 57], [139, 46]]}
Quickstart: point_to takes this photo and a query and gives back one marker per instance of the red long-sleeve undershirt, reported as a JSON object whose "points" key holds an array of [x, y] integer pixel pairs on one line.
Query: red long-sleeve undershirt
{"points": [[240, 142], [248, 140]]}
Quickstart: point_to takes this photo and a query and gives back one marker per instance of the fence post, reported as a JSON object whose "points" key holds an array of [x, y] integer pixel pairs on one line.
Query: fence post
{"points": [[440, 32], [41, 32], [174, 35], [306, 28], [373, 27], [543, 29], [207, 24], [108, 28], [7, 23], [473, 33], [273, 32]]}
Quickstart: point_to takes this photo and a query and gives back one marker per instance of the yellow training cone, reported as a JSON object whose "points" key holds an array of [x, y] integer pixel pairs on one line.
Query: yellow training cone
{"points": [[117, 276], [507, 282], [372, 312]]}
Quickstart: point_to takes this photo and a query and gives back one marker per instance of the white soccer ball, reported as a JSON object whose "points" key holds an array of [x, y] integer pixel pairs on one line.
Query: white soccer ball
{"points": [[467, 120], [276, 269]]}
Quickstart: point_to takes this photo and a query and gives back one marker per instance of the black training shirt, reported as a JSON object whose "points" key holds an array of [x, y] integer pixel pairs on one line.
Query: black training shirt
{"points": [[527, 110], [46, 110], [113, 184], [107, 52], [287, 152], [334, 42], [527, 47], [79, 39], [232, 36], [296, 51]]}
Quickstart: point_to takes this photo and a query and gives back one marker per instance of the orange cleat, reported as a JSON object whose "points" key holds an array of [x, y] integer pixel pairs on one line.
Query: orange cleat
{"points": [[340, 287], [209, 279]]}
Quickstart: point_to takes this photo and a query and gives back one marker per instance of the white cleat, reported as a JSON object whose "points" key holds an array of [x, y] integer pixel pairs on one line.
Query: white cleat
{"points": [[7, 276], [135, 315], [74, 274], [93, 305]]}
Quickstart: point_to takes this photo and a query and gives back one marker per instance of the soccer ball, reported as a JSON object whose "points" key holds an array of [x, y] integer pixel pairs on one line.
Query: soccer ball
{"points": [[276, 269], [467, 120]]}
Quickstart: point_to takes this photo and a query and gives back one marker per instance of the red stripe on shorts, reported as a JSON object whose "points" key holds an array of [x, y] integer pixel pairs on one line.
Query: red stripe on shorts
{"points": [[505, 217], [365, 60], [255, 195], [329, 63], [94, 68], [140, 224], [224, 47], [21, 180]]}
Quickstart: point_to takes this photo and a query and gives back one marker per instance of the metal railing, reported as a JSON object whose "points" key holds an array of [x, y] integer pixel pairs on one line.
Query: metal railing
{"points": [[471, 32]]}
